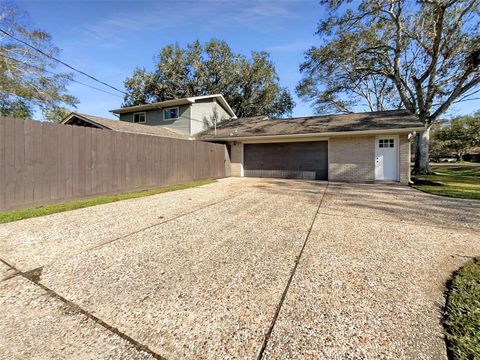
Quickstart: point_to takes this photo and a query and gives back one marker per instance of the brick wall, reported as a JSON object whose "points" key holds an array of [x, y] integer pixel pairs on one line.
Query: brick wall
{"points": [[404, 159], [351, 159]]}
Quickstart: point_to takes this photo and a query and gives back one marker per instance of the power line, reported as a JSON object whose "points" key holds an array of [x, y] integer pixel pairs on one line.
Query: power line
{"points": [[462, 100], [53, 73], [61, 62], [93, 87], [90, 86]]}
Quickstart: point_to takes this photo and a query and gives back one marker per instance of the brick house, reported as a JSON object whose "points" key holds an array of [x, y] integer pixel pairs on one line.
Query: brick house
{"points": [[359, 147]]}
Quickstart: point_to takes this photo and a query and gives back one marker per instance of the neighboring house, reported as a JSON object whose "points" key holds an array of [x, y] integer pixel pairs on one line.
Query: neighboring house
{"points": [[116, 125], [186, 116], [472, 154], [361, 147]]}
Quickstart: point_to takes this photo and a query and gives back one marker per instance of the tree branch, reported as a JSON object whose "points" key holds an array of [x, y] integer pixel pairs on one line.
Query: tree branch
{"points": [[458, 91]]}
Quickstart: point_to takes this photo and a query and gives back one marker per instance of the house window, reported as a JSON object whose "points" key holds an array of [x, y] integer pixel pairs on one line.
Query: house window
{"points": [[139, 117], [386, 143], [170, 113]]}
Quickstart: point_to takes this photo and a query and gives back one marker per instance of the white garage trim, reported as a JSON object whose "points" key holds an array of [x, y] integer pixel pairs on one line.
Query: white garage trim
{"points": [[314, 136]]}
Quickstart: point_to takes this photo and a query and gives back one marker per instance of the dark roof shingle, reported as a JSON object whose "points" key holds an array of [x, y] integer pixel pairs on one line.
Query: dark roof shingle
{"points": [[264, 126], [128, 127]]}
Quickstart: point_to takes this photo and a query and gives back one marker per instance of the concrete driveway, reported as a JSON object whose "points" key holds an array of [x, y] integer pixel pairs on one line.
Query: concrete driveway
{"points": [[242, 268]]}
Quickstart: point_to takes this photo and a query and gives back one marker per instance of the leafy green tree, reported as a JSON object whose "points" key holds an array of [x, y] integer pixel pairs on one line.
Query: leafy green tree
{"points": [[16, 108], [250, 85], [425, 52], [27, 82], [473, 124], [459, 135], [437, 147]]}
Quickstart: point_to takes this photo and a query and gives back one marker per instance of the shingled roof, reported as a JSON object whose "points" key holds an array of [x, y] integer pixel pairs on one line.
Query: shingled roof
{"points": [[122, 126], [264, 126]]}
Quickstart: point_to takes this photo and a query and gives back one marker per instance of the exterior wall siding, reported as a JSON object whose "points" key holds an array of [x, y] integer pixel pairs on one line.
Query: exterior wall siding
{"points": [[193, 118], [236, 159], [204, 114], [352, 159], [155, 118]]}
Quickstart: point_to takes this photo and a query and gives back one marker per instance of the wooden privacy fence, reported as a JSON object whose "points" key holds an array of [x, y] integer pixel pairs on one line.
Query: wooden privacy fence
{"points": [[43, 163]]}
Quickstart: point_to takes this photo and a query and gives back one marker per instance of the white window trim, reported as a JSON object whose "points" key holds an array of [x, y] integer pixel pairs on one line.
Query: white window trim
{"points": [[140, 122], [170, 108]]}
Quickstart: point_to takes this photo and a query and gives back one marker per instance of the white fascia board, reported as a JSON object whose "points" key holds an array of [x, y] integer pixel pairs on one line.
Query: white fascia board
{"points": [[263, 138], [157, 105]]}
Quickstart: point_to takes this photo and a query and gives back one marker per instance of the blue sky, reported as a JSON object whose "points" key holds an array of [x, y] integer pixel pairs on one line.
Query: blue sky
{"points": [[109, 39]]}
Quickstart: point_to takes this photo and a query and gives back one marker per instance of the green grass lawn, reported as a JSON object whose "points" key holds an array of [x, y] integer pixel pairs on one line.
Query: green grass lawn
{"points": [[462, 318], [460, 180], [14, 215]]}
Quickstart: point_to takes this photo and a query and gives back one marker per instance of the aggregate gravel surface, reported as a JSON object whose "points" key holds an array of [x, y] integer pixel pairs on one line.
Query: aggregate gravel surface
{"points": [[205, 285], [371, 288], [31, 243], [400, 203], [200, 273], [34, 325]]}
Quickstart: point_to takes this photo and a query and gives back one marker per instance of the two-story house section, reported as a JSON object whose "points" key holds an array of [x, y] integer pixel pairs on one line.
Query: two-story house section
{"points": [[186, 116]]}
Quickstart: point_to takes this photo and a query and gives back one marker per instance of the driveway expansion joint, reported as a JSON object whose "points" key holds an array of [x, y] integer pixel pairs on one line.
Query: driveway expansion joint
{"points": [[15, 273], [9, 265], [292, 274], [34, 276]]}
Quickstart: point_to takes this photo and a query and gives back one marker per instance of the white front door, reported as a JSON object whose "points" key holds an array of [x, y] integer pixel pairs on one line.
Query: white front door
{"points": [[386, 158]]}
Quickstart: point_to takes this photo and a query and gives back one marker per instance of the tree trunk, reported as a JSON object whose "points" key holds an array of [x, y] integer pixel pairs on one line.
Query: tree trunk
{"points": [[422, 155]]}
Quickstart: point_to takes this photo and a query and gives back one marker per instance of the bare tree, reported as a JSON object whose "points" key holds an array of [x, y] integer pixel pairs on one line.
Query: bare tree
{"points": [[428, 50], [333, 84]]}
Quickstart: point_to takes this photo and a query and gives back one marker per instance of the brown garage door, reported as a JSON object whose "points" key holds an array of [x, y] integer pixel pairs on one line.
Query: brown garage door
{"points": [[301, 160]]}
